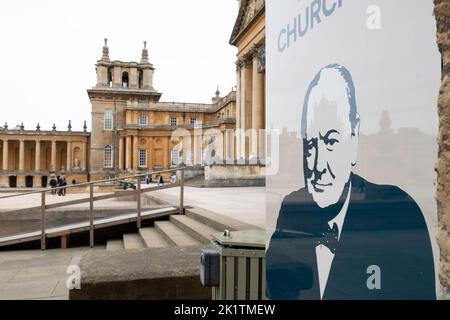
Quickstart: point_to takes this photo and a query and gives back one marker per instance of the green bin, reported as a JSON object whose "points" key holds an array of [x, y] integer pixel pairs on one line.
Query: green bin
{"points": [[242, 274]]}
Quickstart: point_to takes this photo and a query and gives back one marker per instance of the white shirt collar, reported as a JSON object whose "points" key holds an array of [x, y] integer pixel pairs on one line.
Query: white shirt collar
{"points": [[339, 219]]}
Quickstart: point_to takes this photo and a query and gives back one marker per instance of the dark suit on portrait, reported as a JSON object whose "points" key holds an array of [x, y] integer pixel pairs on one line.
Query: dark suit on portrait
{"points": [[383, 226]]}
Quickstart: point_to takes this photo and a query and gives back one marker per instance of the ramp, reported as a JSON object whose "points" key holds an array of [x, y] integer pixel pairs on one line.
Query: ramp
{"points": [[85, 226]]}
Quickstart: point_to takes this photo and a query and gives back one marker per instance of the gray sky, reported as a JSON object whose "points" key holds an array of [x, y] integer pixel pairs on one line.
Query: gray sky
{"points": [[49, 49]]}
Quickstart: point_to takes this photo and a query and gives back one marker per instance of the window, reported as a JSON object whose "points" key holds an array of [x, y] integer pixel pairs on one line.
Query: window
{"points": [[143, 158], [175, 157], [190, 158], [108, 120], [107, 159], [110, 78], [173, 121], [143, 120], [141, 79], [125, 80], [193, 120]]}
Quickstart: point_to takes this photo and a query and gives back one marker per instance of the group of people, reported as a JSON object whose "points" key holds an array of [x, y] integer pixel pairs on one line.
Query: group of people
{"points": [[159, 179], [56, 182]]}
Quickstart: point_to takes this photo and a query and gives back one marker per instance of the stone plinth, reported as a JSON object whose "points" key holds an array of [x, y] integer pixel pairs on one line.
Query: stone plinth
{"points": [[237, 175], [146, 274]]}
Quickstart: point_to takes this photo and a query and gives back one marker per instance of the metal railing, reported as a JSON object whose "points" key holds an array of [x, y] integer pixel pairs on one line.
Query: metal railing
{"points": [[137, 192]]}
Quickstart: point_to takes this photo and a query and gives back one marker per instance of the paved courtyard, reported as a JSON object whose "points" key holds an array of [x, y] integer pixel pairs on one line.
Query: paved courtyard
{"points": [[37, 274], [244, 204], [42, 274]]}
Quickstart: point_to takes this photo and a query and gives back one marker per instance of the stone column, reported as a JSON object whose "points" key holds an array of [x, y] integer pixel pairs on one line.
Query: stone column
{"points": [[227, 145], [196, 150], [5, 155], [248, 106], [230, 144], [120, 153], [84, 156], [135, 152], [238, 109], [128, 153], [147, 78], [242, 111], [21, 155], [37, 160], [53, 158], [133, 78], [222, 144], [69, 156], [257, 109], [150, 154], [166, 153]]}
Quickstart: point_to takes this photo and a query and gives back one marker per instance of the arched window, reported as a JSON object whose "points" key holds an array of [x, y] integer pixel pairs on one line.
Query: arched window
{"points": [[108, 120], [125, 80], [107, 157], [110, 78], [141, 79]]}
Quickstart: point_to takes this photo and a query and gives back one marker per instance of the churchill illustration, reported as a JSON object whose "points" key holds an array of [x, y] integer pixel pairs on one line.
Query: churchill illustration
{"points": [[342, 237]]}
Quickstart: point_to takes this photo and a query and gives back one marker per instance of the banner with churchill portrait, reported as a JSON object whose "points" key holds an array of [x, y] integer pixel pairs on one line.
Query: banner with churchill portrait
{"points": [[352, 92]]}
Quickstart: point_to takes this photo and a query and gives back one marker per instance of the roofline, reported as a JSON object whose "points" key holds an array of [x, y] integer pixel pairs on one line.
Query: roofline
{"points": [[236, 35]]}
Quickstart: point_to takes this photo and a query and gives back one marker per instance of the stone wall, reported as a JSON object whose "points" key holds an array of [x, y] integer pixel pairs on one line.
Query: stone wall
{"points": [[442, 12], [245, 175], [155, 274]]}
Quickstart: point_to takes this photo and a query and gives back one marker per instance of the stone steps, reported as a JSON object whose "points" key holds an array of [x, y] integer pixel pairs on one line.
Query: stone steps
{"points": [[174, 235], [114, 245], [199, 231], [193, 229], [152, 238], [217, 221], [133, 241]]}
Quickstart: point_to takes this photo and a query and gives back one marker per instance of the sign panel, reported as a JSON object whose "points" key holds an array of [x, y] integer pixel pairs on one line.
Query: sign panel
{"points": [[352, 89]]}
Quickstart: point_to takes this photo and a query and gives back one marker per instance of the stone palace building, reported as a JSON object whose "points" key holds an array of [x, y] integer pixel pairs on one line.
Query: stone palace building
{"points": [[133, 131]]}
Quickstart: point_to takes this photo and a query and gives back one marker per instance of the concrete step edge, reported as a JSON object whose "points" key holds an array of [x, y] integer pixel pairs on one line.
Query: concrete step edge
{"points": [[156, 233], [192, 229], [160, 227], [131, 240], [217, 221], [161, 230], [114, 245]]}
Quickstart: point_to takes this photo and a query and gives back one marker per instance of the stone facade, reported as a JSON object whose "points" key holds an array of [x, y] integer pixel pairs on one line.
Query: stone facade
{"points": [[237, 175], [133, 131], [248, 37], [28, 158], [442, 13]]}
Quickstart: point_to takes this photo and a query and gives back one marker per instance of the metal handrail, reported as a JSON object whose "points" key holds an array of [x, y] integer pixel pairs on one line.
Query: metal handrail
{"points": [[85, 184], [138, 192]]}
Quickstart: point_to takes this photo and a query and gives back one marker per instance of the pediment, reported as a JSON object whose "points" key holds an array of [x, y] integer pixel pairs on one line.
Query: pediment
{"points": [[248, 11]]}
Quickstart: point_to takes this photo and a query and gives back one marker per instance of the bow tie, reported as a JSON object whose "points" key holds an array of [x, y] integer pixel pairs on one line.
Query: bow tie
{"points": [[330, 238]]}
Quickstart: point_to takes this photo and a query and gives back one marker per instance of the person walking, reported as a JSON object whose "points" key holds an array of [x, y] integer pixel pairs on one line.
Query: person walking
{"points": [[53, 184], [160, 180], [64, 184], [60, 184]]}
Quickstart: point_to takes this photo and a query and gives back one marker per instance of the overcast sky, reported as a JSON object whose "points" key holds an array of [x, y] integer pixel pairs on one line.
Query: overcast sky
{"points": [[49, 49]]}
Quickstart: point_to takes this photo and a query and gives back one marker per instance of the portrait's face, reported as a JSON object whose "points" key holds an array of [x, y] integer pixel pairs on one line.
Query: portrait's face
{"points": [[330, 145]]}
